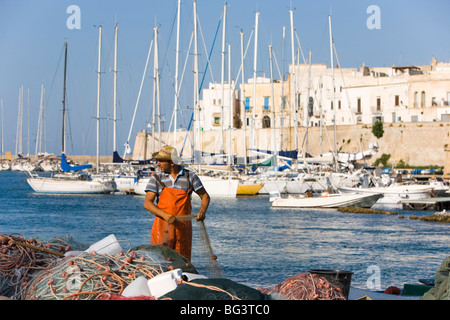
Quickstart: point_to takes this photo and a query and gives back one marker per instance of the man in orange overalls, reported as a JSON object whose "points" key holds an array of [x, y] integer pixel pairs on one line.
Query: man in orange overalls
{"points": [[172, 190]]}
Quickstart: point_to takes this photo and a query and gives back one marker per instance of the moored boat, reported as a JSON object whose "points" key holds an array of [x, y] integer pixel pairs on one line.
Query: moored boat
{"points": [[70, 183], [218, 187], [246, 188], [327, 201], [393, 194]]}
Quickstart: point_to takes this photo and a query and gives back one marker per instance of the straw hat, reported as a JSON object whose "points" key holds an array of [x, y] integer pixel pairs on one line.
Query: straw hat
{"points": [[167, 153]]}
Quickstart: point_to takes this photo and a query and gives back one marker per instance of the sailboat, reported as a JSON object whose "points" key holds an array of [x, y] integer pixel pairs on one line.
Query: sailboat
{"points": [[121, 170], [327, 201], [71, 179], [215, 186]]}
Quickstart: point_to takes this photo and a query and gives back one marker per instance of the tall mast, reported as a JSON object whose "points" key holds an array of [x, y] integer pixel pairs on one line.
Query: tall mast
{"points": [[254, 80], [63, 142], [222, 76], [175, 108], [294, 104], [306, 112], [274, 142], [243, 102], [98, 93], [28, 124], [333, 101], [19, 122], [156, 101], [40, 122], [196, 131], [115, 89], [230, 123], [282, 94]]}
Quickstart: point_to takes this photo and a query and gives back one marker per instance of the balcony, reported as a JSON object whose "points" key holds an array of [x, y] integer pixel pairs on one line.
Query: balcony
{"points": [[376, 109]]}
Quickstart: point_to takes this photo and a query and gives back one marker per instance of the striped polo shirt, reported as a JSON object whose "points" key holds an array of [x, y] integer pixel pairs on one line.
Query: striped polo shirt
{"points": [[180, 182]]}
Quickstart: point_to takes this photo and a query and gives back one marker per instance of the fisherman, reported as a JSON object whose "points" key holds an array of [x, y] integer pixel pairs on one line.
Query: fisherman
{"points": [[168, 197]]}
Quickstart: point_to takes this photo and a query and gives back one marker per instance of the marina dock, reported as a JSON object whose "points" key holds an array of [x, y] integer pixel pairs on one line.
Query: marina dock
{"points": [[437, 204]]}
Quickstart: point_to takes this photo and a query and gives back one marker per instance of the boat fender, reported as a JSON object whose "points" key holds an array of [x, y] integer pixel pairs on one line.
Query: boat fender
{"points": [[393, 290]]}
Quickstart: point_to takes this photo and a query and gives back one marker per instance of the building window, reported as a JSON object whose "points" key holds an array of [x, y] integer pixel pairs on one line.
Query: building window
{"points": [[378, 104], [266, 103], [397, 101], [416, 99], [422, 100], [214, 102], [331, 105], [247, 104], [266, 122], [358, 106], [216, 119], [433, 102], [339, 104]]}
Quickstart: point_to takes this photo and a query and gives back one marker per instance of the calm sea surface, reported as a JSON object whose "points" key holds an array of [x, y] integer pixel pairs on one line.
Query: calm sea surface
{"points": [[255, 244]]}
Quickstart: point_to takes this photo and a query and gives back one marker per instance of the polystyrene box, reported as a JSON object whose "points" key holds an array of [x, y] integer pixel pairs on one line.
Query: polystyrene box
{"points": [[164, 283], [108, 245], [137, 288]]}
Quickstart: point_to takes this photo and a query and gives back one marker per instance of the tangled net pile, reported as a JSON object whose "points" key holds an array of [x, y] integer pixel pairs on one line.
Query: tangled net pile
{"points": [[21, 257], [90, 276], [35, 270], [61, 269], [307, 286]]}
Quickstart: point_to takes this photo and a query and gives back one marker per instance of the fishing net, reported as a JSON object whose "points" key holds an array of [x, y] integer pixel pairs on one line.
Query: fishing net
{"points": [[20, 258], [306, 286], [90, 276], [176, 260], [212, 266], [61, 269], [209, 259]]}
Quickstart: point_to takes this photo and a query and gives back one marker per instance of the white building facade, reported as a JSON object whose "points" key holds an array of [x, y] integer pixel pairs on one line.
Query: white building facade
{"points": [[348, 95]]}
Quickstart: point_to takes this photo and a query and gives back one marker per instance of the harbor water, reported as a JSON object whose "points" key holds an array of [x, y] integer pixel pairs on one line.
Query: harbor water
{"points": [[255, 244]]}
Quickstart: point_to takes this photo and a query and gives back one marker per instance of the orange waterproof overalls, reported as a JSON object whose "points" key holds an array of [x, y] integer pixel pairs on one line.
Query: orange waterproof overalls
{"points": [[177, 235]]}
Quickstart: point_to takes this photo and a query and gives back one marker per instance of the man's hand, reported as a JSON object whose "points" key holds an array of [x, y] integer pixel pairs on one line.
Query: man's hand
{"points": [[200, 216], [170, 219], [204, 196]]}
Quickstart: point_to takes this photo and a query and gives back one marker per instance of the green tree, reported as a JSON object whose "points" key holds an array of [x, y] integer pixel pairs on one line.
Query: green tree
{"points": [[377, 129], [383, 160]]}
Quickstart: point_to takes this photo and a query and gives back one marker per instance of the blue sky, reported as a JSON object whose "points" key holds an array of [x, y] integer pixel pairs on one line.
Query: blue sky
{"points": [[33, 32]]}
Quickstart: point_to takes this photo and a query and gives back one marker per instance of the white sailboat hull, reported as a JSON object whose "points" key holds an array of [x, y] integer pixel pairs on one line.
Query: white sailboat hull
{"points": [[5, 165], [70, 186], [125, 183], [140, 185], [330, 201], [273, 186], [400, 190], [392, 194], [220, 188]]}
